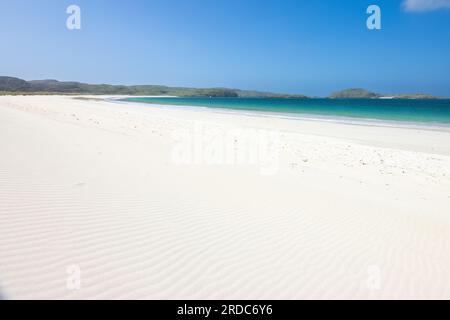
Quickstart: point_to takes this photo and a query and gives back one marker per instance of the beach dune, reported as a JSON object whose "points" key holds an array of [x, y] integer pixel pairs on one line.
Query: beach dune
{"points": [[95, 204]]}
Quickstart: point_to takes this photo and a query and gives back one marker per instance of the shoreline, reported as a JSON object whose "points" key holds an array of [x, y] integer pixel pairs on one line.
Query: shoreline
{"points": [[359, 121]]}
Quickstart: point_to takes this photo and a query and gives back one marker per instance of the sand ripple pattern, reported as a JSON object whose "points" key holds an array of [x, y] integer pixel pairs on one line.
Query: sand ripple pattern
{"points": [[90, 184]]}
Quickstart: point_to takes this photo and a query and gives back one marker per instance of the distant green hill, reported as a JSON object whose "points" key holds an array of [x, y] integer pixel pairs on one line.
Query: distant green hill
{"points": [[9, 85], [365, 94], [354, 94], [413, 96]]}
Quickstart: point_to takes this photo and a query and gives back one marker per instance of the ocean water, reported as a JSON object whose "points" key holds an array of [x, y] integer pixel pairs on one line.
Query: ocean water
{"points": [[428, 112]]}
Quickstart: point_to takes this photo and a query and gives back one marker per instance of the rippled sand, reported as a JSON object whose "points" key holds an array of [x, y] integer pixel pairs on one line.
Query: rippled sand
{"points": [[93, 186]]}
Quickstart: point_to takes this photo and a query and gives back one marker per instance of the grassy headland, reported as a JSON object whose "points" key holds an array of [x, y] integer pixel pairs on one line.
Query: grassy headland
{"points": [[16, 86]]}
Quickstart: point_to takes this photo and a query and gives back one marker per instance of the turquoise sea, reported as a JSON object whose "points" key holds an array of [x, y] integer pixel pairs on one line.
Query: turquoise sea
{"points": [[429, 112]]}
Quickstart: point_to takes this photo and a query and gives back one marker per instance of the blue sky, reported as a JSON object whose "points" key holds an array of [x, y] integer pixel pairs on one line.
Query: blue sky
{"points": [[311, 47]]}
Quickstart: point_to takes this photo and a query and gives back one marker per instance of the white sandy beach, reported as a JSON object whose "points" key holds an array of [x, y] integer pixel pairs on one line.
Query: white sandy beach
{"points": [[346, 211]]}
